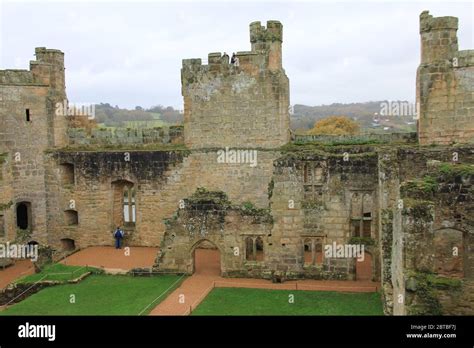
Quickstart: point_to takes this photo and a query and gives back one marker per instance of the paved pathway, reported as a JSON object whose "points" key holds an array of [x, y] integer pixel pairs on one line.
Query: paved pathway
{"points": [[194, 289]]}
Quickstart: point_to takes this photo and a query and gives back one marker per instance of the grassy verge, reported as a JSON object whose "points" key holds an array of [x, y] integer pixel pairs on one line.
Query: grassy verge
{"points": [[235, 301], [99, 295]]}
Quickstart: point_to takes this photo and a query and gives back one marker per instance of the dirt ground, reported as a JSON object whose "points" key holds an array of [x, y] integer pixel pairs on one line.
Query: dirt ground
{"points": [[113, 259], [18, 270]]}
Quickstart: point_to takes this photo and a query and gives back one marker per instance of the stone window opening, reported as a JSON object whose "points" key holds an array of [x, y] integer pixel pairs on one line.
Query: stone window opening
{"points": [[28, 116], [67, 173], [124, 204], [68, 244], [313, 251], [254, 249], [71, 217], [23, 215], [361, 215], [312, 180], [2, 226], [129, 213]]}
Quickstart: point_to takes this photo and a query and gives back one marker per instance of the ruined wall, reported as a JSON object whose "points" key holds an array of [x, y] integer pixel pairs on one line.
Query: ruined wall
{"points": [[30, 126], [238, 106], [437, 225], [445, 84], [314, 200], [161, 180], [80, 137]]}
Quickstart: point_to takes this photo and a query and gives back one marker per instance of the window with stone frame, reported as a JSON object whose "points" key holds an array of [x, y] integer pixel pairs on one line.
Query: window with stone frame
{"points": [[313, 251], [254, 250], [313, 177], [361, 214]]}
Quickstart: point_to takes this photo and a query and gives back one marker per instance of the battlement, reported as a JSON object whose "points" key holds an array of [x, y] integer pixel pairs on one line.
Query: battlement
{"points": [[265, 53], [439, 42], [430, 23], [240, 104], [46, 70], [273, 32], [444, 84]]}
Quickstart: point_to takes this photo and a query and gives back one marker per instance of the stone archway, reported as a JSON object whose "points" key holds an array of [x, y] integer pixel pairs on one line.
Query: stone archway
{"points": [[206, 258]]}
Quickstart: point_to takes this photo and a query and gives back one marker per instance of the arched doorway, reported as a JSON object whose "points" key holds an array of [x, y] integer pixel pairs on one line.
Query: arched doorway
{"points": [[206, 258], [364, 268]]}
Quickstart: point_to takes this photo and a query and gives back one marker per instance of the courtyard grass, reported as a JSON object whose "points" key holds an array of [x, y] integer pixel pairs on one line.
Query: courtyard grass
{"points": [[99, 295], [58, 272], [239, 301]]}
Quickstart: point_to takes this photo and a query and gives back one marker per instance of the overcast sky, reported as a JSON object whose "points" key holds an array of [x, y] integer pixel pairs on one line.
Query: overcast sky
{"points": [[129, 53]]}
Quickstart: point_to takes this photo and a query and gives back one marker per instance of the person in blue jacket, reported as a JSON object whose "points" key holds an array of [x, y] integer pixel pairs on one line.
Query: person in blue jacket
{"points": [[118, 235]]}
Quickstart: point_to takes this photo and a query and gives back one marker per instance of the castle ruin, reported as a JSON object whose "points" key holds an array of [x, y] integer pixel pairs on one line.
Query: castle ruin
{"points": [[409, 205]]}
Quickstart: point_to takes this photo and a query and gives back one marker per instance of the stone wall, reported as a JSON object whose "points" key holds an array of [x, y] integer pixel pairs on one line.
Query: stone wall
{"points": [[161, 180], [125, 136], [445, 84]]}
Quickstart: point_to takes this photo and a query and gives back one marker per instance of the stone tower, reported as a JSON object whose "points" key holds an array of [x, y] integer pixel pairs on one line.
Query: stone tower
{"points": [[244, 105], [29, 126], [445, 84]]}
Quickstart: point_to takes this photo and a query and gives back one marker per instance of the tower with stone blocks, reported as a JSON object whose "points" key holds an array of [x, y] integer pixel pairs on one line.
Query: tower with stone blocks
{"points": [[445, 84], [244, 105], [29, 125]]}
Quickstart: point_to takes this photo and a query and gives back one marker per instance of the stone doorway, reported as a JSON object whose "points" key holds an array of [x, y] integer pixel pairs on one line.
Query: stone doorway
{"points": [[364, 268], [206, 259]]}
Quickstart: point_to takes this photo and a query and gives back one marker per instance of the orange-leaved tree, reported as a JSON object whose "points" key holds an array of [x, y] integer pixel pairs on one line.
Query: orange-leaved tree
{"points": [[335, 125]]}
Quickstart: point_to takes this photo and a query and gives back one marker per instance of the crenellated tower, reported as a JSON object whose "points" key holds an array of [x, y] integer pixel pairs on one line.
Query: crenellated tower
{"points": [[444, 84], [238, 105]]}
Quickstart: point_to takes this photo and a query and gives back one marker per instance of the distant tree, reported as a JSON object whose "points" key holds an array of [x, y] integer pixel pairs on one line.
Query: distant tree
{"points": [[335, 125]]}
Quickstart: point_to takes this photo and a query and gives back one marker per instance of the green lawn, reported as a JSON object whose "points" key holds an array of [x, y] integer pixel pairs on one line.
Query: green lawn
{"points": [[235, 301], [99, 295], [58, 272]]}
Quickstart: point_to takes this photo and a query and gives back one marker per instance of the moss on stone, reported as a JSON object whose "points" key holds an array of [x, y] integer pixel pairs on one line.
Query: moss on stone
{"points": [[138, 147], [4, 206], [425, 286], [362, 241]]}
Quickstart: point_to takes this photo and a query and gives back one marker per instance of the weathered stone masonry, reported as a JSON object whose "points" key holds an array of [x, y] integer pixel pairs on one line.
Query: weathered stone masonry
{"points": [[407, 204]]}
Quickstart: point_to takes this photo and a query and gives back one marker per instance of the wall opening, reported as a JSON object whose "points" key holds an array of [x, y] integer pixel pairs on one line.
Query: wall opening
{"points": [[68, 244], [313, 251], [67, 173], [2, 226], [254, 249], [124, 203], [364, 268], [71, 217], [361, 214], [23, 215], [206, 259], [27, 114]]}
